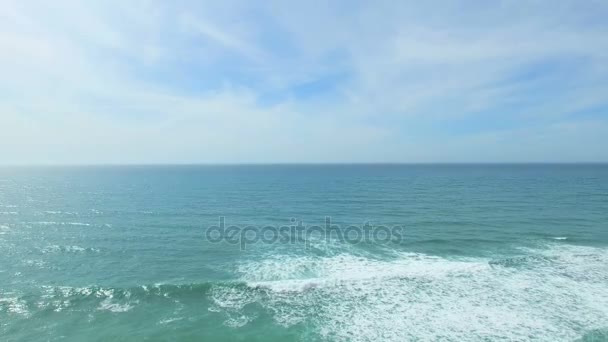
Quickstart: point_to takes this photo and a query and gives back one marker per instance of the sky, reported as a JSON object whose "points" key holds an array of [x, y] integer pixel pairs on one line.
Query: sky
{"points": [[129, 82]]}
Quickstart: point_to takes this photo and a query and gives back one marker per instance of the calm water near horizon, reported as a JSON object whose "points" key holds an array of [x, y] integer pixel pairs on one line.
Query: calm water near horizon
{"points": [[485, 252]]}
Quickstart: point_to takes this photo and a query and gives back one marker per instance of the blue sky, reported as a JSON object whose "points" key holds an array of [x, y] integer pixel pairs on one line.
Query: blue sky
{"points": [[311, 81]]}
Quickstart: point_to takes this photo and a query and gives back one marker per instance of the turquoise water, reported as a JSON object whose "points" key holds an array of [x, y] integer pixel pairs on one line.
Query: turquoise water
{"points": [[487, 252]]}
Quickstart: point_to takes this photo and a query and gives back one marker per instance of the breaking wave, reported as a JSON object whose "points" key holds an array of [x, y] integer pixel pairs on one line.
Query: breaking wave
{"points": [[555, 292]]}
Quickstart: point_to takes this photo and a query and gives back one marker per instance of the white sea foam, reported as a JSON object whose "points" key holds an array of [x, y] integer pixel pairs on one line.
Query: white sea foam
{"points": [[14, 305], [68, 249], [421, 297], [560, 238], [58, 212], [170, 320], [108, 305], [54, 223], [238, 321]]}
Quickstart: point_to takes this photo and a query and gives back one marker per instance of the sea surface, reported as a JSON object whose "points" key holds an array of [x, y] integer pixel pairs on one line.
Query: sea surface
{"points": [[484, 253]]}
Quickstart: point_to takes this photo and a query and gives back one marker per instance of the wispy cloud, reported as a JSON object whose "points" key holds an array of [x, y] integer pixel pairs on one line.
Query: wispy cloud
{"points": [[151, 81], [225, 39]]}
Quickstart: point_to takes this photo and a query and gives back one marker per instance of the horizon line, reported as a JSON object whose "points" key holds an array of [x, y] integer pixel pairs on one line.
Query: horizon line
{"points": [[304, 164]]}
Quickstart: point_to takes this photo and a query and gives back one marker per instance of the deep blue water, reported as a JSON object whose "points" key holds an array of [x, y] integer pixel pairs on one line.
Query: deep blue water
{"points": [[485, 252]]}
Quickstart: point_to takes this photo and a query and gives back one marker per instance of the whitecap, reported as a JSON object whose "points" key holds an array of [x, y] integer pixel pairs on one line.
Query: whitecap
{"points": [[68, 249], [77, 224], [14, 305], [55, 223], [170, 320], [108, 305], [58, 212]]}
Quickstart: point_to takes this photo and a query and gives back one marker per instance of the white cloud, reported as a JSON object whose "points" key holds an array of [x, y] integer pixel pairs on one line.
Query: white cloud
{"points": [[80, 82], [223, 38]]}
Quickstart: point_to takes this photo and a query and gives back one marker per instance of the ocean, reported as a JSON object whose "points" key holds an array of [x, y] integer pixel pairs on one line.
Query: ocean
{"points": [[245, 253]]}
